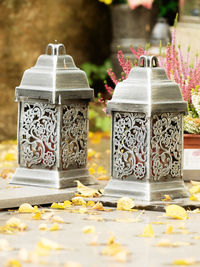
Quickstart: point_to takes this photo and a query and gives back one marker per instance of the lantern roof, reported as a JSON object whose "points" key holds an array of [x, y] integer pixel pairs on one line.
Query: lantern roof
{"points": [[147, 89], [55, 78]]}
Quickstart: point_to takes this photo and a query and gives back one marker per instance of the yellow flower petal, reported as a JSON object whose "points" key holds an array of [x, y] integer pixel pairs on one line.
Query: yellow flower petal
{"points": [[177, 212], [43, 227], [85, 191], [67, 204], [184, 262], [125, 203], [13, 263], [89, 230], [54, 227], [169, 229], [79, 201], [58, 206], [26, 208], [148, 231]]}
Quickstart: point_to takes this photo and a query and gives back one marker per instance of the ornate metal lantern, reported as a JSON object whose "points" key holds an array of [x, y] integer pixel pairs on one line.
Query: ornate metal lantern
{"points": [[147, 135], [53, 122]]}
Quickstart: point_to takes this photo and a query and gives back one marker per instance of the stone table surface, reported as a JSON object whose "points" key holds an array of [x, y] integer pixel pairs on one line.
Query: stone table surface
{"points": [[126, 226]]}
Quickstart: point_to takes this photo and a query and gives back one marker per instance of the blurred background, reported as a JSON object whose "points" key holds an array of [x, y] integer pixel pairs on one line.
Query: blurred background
{"points": [[91, 31]]}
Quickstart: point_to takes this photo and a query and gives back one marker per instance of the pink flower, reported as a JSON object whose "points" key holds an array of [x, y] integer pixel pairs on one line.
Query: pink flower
{"points": [[135, 3]]}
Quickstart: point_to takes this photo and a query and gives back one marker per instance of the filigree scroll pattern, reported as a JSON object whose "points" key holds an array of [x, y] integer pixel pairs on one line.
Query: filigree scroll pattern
{"points": [[129, 145], [166, 145], [74, 135], [38, 141]]}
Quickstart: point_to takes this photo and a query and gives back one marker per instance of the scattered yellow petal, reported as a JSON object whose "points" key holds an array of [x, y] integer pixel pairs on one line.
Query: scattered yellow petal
{"points": [[197, 237], [194, 182], [97, 155], [177, 212], [103, 178], [101, 170], [193, 198], [91, 153], [125, 203], [72, 264], [185, 262], [57, 219], [58, 206], [67, 204], [148, 231], [48, 244], [89, 230], [16, 223], [168, 243], [195, 189], [91, 171], [13, 263], [90, 203], [78, 201], [10, 157], [169, 229], [4, 245], [7, 173], [167, 198], [54, 227], [26, 208], [37, 216], [43, 227], [86, 191], [158, 222], [111, 239]]}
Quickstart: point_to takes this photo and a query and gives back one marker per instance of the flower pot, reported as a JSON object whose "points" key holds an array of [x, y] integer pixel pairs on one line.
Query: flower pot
{"points": [[191, 141], [191, 170]]}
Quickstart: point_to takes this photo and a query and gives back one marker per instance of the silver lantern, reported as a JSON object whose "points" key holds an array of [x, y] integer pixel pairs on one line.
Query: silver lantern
{"points": [[147, 135], [53, 102]]}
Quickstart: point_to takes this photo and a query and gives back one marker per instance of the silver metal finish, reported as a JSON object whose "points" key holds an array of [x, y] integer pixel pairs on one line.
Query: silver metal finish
{"points": [[147, 142], [53, 122]]}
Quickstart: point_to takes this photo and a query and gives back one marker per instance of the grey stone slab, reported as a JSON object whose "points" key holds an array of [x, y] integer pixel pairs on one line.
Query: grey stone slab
{"points": [[14, 195]]}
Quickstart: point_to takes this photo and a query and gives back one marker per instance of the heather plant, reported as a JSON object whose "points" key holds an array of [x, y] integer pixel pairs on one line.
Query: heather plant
{"points": [[178, 68]]}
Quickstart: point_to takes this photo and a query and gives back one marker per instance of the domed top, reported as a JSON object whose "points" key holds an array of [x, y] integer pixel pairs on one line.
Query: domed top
{"points": [[147, 89], [54, 78]]}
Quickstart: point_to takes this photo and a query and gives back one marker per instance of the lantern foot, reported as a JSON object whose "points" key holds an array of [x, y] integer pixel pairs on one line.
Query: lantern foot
{"points": [[51, 178], [146, 191]]}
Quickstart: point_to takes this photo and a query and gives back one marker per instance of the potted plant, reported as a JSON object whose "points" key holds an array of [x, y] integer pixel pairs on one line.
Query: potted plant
{"points": [[179, 69]]}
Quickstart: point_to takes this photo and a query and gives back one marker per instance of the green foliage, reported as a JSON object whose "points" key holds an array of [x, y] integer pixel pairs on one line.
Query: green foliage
{"points": [[98, 119], [166, 7], [95, 72]]}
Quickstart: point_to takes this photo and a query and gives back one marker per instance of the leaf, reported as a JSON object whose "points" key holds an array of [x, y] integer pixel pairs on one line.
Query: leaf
{"points": [[13, 263], [169, 229], [67, 204], [148, 231], [48, 244], [78, 201], [176, 212], [37, 216], [59, 206], [195, 189], [125, 203], [89, 230], [184, 262], [86, 191], [167, 198], [27, 208], [54, 227]]}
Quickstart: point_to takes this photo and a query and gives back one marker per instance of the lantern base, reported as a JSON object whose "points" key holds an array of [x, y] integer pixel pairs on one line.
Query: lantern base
{"points": [[51, 178], [146, 191]]}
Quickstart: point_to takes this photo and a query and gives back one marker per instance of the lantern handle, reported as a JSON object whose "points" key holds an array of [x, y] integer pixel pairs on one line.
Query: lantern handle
{"points": [[148, 61], [55, 49]]}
